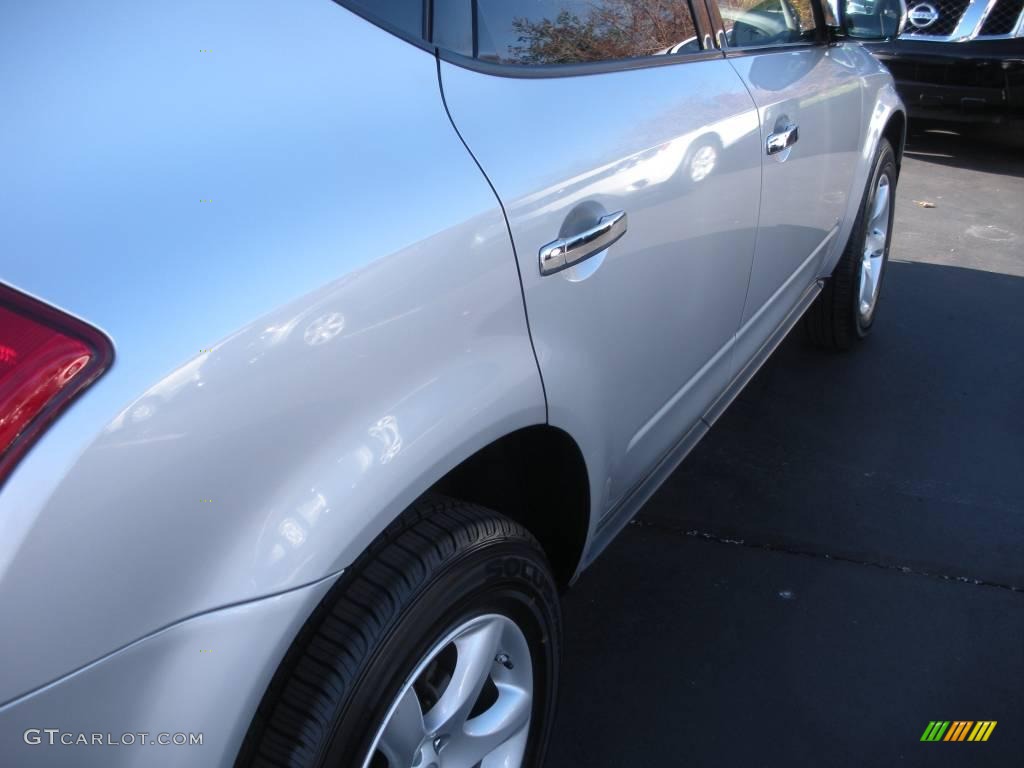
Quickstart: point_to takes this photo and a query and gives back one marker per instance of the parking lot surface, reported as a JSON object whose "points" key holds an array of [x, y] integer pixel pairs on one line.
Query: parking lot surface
{"points": [[841, 560]]}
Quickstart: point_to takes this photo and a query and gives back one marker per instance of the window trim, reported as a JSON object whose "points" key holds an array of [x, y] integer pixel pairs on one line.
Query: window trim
{"points": [[574, 70]]}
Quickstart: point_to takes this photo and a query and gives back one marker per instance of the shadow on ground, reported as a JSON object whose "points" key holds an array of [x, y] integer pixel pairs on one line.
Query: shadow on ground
{"points": [[975, 147]]}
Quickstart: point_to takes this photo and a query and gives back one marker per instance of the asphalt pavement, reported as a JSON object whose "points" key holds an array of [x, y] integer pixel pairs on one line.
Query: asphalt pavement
{"points": [[841, 560]]}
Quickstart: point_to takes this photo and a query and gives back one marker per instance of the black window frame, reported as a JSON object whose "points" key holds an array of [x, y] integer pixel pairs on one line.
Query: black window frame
{"points": [[420, 41]]}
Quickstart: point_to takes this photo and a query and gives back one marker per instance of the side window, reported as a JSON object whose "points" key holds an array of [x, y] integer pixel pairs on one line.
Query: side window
{"points": [[538, 32], [405, 15], [756, 23]]}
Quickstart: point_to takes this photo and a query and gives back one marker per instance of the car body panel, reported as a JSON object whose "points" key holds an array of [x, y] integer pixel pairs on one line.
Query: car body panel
{"points": [[842, 99], [791, 289], [804, 188], [296, 361], [635, 342], [178, 677]]}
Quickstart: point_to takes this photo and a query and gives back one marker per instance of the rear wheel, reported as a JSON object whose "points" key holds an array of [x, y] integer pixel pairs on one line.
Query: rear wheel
{"points": [[468, 700], [845, 310], [438, 647]]}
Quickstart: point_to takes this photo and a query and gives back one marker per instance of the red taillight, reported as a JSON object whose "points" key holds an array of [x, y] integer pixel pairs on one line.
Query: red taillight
{"points": [[46, 358]]}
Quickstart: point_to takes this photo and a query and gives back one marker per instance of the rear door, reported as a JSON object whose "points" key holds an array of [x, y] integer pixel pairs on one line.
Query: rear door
{"points": [[808, 96], [627, 158]]}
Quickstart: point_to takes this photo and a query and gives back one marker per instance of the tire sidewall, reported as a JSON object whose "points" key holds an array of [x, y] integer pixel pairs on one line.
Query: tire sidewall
{"points": [[509, 578]]}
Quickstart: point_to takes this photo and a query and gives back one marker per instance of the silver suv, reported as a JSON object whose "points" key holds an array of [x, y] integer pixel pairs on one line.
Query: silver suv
{"points": [[337, 338]]}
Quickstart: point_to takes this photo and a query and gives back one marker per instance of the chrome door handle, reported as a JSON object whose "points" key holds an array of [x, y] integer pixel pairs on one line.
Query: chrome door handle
{"points": [[566, 251], [783, 139]]}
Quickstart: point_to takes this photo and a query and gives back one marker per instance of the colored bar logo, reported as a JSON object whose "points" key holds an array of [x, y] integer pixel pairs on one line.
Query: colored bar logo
{"points": [[958, 730]]}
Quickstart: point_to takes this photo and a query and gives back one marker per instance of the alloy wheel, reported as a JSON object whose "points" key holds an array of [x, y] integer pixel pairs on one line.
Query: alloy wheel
{"points": [[876, 240], [467, 703]]}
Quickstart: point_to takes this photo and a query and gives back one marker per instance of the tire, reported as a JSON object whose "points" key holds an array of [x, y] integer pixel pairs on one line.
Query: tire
{"points": [[836, 319], [441, 567]]}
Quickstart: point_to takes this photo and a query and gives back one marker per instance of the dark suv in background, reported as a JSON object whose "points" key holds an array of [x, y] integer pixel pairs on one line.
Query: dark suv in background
{"points": [[956, 59]]}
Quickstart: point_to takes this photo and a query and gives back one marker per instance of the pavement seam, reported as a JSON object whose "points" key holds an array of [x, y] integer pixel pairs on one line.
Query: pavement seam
{"points": [[694, 533]]}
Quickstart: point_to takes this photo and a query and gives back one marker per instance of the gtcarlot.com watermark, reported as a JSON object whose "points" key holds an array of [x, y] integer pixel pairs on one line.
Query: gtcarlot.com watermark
{"points": [[55, 736]]}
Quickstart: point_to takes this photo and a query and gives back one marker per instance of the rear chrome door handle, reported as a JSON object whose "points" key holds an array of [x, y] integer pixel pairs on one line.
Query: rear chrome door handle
{"points": [[783, 139], [566, 251]]}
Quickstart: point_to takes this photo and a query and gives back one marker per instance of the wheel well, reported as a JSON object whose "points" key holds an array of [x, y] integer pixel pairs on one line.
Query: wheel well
{"points": [[537, 477], [896, 132]]}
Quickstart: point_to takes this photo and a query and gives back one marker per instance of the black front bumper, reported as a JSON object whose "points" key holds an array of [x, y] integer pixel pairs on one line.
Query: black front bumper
{"points": [[978, 80]]}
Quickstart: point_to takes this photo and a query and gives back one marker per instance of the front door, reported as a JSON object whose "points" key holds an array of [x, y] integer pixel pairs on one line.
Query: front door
{"points": [[628, 161], [808, 97]]}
